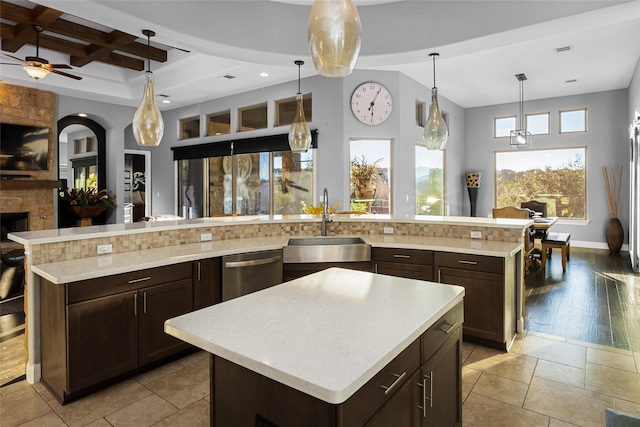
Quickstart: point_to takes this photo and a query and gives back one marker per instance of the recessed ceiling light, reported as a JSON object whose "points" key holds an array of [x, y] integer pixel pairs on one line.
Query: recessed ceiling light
{"points": [[166, 101], [263, 74], [165, 98], [82, 114], [564, 49]]}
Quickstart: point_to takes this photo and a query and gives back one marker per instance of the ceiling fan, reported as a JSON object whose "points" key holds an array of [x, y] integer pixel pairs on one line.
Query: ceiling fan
{"points": [[37, 67]]}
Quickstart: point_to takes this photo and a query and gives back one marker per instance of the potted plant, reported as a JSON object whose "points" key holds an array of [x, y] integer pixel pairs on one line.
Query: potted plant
{"points": [[87, 204], [364, 178]]}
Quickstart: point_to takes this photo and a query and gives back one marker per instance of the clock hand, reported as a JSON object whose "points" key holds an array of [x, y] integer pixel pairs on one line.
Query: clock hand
{"points": [[373, 101]]}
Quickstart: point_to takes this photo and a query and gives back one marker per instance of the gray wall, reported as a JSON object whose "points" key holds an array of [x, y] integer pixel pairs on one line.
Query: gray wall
{"points": [[606, 142], [634, 94]]}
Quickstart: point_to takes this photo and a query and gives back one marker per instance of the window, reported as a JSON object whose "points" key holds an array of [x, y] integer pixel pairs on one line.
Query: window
{"points": [[557, 177], [219, 123], [253, 117], [370, 176], [573, 120], [190, 128], [429, 181], [538, 124], [421, 117], [286, 110], [292, 181], [502, 126]]}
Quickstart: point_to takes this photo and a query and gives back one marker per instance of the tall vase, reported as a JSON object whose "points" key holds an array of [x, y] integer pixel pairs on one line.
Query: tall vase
{"points": [[615, 235], [473, 183]]}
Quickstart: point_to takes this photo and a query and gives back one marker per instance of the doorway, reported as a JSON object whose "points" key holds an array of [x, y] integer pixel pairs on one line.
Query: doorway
{"points": [[137, 185]]}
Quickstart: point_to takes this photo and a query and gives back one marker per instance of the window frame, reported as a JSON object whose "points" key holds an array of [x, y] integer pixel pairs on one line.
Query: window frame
{"points": [[247, 108], [307, 102], [495, 127], [391, 142], [182, 130], [586, 120], [547, 113], [218, 114], [444, 181]]}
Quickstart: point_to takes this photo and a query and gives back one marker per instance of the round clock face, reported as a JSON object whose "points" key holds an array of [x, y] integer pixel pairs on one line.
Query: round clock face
{"points": [[371, 103]]}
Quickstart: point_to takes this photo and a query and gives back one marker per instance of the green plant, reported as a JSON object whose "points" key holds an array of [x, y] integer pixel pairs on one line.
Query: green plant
{"points": [[363, 171], [89, 197]]}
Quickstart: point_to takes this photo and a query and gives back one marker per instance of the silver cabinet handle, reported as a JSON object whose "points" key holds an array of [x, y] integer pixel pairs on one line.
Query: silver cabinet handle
{"points": [[142, 279], [451, 328], [375, 268], [439, 274], [144, 303], [467, 262], [198, 270], [135, 304], [424, 396], [430, 398], [251, 263], [401, 256], [398, 380]]}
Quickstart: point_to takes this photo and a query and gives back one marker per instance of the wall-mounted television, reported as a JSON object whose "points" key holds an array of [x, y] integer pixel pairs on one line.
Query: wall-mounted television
{"points": [[23, 147]]}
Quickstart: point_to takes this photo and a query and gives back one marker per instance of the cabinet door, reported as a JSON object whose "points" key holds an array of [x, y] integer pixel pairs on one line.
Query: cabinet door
{"points": [[409, 271], [206, 283], [484, 301], [402, 409], [102, 338], [441, 386], [155, 305]]}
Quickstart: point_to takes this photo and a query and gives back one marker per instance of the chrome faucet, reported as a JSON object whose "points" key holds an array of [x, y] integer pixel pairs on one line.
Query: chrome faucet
{"points": [[325, 211]]}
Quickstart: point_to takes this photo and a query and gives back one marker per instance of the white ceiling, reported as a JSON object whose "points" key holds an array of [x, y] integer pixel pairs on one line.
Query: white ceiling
{"points": [[482, 45]]}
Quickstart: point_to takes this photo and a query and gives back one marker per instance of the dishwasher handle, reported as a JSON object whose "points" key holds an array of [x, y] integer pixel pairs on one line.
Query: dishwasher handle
{"points": [[253, 262]]}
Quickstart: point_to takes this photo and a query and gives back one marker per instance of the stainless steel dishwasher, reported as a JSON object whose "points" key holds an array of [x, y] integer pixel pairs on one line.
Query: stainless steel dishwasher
{"points": [[250, 272]]}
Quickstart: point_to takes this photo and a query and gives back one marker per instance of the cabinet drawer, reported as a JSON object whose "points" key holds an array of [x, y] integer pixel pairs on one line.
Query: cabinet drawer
{"points": [[438, 333], [407, 256], [470, 262], [409, 271], [95, 288], [371, 396]]}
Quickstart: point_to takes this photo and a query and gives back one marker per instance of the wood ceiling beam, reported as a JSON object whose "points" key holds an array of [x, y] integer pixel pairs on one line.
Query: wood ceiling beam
{"points": [[96, 52]]}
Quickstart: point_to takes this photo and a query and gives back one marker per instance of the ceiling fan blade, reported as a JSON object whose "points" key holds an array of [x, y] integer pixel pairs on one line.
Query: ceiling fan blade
{"points": [[66, 74], [9, 63], [65, 66], [13, 57]]}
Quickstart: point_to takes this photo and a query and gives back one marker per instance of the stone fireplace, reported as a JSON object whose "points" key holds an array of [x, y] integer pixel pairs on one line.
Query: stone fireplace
{"points": [[33, 194]]}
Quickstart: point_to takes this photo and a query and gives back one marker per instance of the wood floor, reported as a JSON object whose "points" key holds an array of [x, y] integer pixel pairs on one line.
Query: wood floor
{"points": [[597, 300]]}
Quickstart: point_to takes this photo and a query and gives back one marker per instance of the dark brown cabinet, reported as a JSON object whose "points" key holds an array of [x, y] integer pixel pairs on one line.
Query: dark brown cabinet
{"points": [[422, 386], [96, 330], [207, 283], [489, 282], [409, 263]]}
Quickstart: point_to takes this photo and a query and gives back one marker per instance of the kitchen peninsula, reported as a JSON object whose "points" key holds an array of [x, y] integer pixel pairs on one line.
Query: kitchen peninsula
{"points": [[68, 258], [333, 349]]}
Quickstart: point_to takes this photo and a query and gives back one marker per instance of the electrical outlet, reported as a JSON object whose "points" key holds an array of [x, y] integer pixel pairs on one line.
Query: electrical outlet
{"points": [[205, 237], [476, 234], [104, 249], [388, 230]]}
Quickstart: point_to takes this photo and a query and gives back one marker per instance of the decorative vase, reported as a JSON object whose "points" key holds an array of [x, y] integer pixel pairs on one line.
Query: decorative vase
{"points": [[473, 183], [85, 214], [615, 235]]}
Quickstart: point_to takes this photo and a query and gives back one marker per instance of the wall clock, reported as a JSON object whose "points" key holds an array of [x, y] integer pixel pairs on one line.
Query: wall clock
{"points": [[371, 103]]}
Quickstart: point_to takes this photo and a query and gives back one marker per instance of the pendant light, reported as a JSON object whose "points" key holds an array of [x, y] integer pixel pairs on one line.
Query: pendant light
{"points": [[435, 131], [333, 34], [148, 125], [521, 137], [299, 134]]}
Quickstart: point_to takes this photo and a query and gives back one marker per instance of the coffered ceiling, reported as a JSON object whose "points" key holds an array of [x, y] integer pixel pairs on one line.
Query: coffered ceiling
{"points": [[199, 44]]}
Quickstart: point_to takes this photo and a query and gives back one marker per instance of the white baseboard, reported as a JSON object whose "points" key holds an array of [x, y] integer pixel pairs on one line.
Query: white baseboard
{"points": [[595, 245], [34, 373]]}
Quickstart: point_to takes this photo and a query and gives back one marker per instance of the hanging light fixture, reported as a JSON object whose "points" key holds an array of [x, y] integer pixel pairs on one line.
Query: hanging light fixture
{"points": [[435, 131], [148, 125], [333, 33], [299, 134], [521, 137]]}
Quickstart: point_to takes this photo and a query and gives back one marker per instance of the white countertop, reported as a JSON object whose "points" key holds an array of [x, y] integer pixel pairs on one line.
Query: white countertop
{"points": [[98, 231], [325, 334], [116, 263]]}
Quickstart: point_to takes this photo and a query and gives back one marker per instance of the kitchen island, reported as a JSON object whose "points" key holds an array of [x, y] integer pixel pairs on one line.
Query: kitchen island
{"points": [[338, 347]]}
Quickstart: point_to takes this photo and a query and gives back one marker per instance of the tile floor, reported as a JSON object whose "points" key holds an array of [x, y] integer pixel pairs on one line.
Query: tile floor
{"points": [[543, 381]]}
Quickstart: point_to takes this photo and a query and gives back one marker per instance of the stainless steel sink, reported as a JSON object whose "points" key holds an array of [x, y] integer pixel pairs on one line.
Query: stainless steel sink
{"points": [[326, 249]]}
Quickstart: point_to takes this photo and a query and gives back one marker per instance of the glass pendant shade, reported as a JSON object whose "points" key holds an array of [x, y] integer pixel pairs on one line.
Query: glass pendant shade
{"points": [[435, 131], [299, 134], [35, 71], [148, 126], [521, 138], [333, 33]]}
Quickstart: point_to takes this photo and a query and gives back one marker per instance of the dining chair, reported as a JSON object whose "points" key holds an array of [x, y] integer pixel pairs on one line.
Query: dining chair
{"points": [[529, 237], [535, 206]]}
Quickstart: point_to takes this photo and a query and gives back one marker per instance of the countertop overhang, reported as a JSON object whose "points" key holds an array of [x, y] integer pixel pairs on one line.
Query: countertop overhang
{"points": [[325, 334], [107, 265]]}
